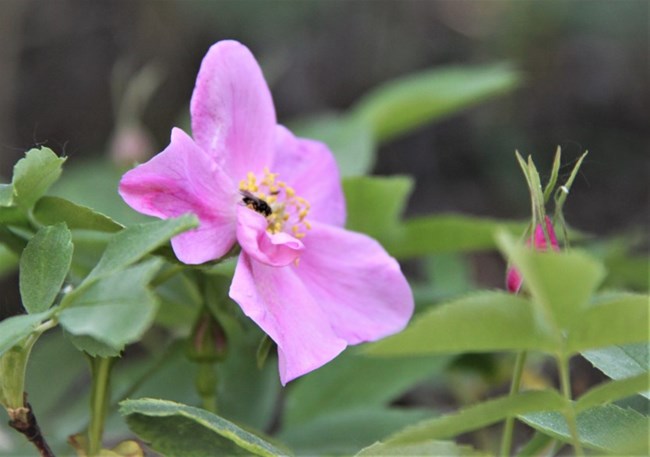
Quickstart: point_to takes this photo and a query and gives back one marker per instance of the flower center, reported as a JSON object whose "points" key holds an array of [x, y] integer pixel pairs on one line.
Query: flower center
{"points": [[277, 201]]}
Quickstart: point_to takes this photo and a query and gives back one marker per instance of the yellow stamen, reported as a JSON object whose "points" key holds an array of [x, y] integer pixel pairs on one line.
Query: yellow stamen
{"points": [[286, 206]]}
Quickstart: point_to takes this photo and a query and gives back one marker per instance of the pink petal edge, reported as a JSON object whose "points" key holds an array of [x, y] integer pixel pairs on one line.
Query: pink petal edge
{"points": [[356, 282], [233, 117], [310, 168], [277, 301], [183, 179]]}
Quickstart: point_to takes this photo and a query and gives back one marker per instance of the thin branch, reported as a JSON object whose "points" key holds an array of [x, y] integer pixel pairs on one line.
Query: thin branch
{"points": [[24, 421]]}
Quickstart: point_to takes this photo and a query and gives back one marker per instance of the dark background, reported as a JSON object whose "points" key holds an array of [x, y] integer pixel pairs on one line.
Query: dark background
{"points": [[585, 63]]}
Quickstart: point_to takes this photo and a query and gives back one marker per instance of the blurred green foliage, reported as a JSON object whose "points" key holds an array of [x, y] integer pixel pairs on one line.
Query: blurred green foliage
{"points": [[130, 295]]}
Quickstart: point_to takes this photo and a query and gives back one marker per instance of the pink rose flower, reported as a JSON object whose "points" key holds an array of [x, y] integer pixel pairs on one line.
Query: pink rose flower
{"points": [[513, 276], [311, 285]]}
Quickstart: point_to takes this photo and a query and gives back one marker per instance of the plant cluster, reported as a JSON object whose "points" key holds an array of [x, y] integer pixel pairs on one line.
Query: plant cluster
{"points": [[182, 352]]}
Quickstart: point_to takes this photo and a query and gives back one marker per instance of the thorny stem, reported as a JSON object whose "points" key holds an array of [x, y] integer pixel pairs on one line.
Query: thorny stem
{"points": [[101, 370], [569, 411], [24, 421], [506, 439]]}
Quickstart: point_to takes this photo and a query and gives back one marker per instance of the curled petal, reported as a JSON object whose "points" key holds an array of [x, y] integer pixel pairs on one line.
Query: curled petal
{"points": [[233, 117], [276, 249], [309, 167], [276, 300], [184, 179], [358, 285]]}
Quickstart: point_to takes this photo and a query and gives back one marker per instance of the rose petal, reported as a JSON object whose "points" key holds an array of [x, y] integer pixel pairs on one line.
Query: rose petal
{"points": [[276, 300], [233, 117], [358, 285], [277, 249], [184, 179], [310, 168]]}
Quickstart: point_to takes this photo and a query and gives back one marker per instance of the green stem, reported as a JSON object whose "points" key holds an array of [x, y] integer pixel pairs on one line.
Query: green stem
{"points": [[569, 410], [206, 386], [99, 396], [13, 366], [506, 439]]}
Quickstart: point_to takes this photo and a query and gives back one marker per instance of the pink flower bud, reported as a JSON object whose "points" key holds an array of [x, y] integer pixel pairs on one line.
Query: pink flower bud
{"points": [[131, 144], [540, 239], [514, 280]]}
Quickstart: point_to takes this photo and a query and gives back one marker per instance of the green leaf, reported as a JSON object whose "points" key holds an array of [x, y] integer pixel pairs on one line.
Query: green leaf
{"points": [[539, 444], [12, 215], [89, 246], [482, 322], [621, 320], [11, 241], [349, 139], [92, 346], [345, 432], [446, 276], [550, 185], [351, 381], [561, 284], [626, 271], [6, 195], [93, 183], [621, 362], [426, 235], [405, 104], [175, 429], [249, 394], [48, 356], [181, 302], [8, 261], [34, 174], [53, 210], [44, 266], [263, 351], [431, 447], [479, 415], [115, 310], [374, 204], [608, 392], [606, 428], [563, 192], [133, 243], [14, 329]]}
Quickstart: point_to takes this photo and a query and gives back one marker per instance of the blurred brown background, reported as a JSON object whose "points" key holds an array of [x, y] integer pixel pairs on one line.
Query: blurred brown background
{"points": [[586, 66]]}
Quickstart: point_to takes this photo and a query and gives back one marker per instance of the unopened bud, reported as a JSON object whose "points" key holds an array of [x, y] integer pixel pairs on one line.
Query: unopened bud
{"points": [[514, 280], [540, 237], [208, 341], [131, 144]]}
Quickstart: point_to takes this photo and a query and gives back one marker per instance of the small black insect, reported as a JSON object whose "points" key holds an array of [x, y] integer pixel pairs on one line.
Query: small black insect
{"points": [[256, 203]]}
